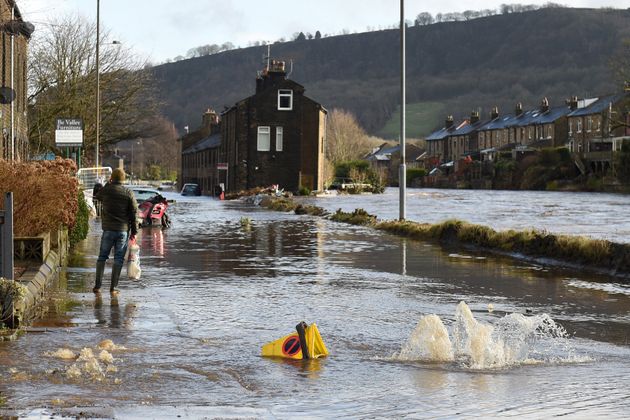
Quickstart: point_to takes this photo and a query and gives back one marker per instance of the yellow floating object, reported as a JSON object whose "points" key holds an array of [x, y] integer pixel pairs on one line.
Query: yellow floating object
{"points": [[305, 344]]}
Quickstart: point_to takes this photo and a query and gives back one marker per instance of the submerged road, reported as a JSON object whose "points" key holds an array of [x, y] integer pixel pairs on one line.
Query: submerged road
{"points": [[185, 339]]}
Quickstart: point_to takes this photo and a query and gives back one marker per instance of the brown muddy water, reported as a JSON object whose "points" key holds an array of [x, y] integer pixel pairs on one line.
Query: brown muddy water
{"points": [[529, 341]]}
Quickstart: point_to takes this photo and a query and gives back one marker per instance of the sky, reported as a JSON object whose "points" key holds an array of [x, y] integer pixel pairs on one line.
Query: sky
{"points": [[159, 30]]}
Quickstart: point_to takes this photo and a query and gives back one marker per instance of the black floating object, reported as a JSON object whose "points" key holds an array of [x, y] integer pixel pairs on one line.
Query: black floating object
{"points": [[7, 95]]}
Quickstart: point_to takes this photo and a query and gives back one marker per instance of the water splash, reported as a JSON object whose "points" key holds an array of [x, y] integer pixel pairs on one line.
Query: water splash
{"points": [[514, 340]]}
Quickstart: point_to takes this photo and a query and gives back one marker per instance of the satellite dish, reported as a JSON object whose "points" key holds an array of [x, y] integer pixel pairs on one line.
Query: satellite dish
{"points": [[7, 95]]}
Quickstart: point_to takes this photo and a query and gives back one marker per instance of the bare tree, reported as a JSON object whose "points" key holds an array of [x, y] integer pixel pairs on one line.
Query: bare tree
{"points": [[62, 83], [346, 139], [424, 18]]}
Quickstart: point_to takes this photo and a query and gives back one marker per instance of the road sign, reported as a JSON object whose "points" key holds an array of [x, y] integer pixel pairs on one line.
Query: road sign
{"points": [[222, 166], [69, 132]]}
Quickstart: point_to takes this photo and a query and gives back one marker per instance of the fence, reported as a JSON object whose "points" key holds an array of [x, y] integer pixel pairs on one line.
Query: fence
{"points": [[6, 237]]}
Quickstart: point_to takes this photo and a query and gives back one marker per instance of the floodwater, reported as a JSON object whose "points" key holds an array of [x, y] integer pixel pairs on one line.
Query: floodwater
{"points": [[598, 215], [529, 341]]}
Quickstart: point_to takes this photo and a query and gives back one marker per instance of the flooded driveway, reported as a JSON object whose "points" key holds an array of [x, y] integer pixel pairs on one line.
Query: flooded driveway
{"points": [[530, 341]]}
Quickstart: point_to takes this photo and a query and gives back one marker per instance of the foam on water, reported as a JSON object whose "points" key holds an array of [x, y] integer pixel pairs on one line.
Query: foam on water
{"points": [[514, 340]]}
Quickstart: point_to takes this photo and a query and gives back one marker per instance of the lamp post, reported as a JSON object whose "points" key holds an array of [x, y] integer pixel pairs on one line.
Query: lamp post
{"points": [[98, 80], [402, 181]]}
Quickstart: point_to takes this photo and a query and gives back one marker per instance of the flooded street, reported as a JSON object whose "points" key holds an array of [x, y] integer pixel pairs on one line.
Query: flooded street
{"points": [[530, 341]]}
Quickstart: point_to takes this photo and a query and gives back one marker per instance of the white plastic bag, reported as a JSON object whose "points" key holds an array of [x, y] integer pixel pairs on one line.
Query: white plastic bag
{"points": [[133, 268]]}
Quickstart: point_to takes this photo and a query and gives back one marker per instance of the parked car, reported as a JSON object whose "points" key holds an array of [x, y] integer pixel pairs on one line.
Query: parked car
{"points": [[191, 189], [152, 206]]}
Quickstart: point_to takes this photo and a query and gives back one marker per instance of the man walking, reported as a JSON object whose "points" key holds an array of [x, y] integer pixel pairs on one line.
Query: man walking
{"points": [[118, 216]]}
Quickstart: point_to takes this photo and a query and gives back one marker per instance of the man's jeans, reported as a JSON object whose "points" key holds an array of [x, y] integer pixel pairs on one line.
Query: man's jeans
{"points": [[118, 241]]}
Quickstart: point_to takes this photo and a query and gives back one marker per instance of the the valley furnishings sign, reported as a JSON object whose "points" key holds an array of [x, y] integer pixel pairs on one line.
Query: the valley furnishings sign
{"points": [[69, 132]]}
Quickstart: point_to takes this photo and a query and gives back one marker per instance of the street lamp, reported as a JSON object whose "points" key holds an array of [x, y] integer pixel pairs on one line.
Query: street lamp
{"points": [[402, 172], [98, 78]]}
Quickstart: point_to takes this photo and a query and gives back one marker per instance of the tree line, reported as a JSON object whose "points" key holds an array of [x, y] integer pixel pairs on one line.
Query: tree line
{"points": [[426, 18]]}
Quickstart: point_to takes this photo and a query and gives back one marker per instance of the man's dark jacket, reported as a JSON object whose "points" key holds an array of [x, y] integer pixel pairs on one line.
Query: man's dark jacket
{"points": [[119, 208]]}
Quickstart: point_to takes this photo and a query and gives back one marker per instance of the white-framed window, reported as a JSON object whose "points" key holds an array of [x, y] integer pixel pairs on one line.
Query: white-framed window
{"points": [[285, 99], [579, 126], [570, 127], [598, 124], [279, 140], [589, 124], [264, 138]]}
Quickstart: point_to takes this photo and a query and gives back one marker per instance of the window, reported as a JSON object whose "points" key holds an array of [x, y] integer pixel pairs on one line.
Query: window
{"points": [[570, 127], [589, 124], [579, 126], [264, 140], [285, 100], [279, 132]]}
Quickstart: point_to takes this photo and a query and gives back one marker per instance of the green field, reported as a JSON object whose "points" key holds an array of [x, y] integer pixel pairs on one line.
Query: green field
{"points": [[422, 119]]}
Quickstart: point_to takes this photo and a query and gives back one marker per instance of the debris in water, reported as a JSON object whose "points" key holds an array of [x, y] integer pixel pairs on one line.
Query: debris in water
{"points": [[106, 357], [65, 354], [111, 369], [110, 346], [117, 381], [490, 307], [73, 372]]}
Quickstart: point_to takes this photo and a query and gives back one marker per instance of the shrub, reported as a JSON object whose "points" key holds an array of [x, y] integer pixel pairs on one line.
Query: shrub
{"points": [[45, 194], [415, 173], [357, 217], [342, 170], [304, 191], [81, 226]]}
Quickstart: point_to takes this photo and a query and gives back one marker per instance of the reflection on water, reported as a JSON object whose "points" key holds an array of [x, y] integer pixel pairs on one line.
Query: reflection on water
{"points": [[213, 292]]}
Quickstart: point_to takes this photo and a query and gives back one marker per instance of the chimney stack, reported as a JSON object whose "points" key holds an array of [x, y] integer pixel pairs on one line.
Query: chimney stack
{"points": [[210, 121], [474, 117], [518, 110], [273, 73], [544, 105], [449, 122], [494, 113], [572, 102]]}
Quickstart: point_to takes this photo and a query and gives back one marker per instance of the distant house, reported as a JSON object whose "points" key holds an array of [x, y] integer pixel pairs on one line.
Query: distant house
{"points": [[16, 56], [276, 136], [383, 155]]}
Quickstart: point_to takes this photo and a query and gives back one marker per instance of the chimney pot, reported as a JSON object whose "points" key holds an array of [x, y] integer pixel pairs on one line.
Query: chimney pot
{"points": [[494, 113]]}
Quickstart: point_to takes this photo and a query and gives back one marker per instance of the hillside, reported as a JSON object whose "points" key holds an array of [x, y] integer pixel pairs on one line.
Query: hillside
{"points": [[451, 67]]}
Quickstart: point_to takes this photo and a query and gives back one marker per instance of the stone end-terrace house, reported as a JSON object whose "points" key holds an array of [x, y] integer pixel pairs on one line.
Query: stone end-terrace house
{"points": [[21, 32], [276, 136]]}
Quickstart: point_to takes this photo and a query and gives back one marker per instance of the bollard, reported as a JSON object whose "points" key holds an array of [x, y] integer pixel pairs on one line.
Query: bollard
{"points": [[6, 238]]}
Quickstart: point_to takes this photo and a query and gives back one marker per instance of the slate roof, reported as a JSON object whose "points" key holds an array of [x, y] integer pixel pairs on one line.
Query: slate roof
{"points": [[444, 132], [600, 105], [212, 141]]}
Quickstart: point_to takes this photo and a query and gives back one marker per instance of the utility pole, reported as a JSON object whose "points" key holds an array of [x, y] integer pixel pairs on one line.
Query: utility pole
{"points": [[402, 172], [13, 82], [98, 80]]}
